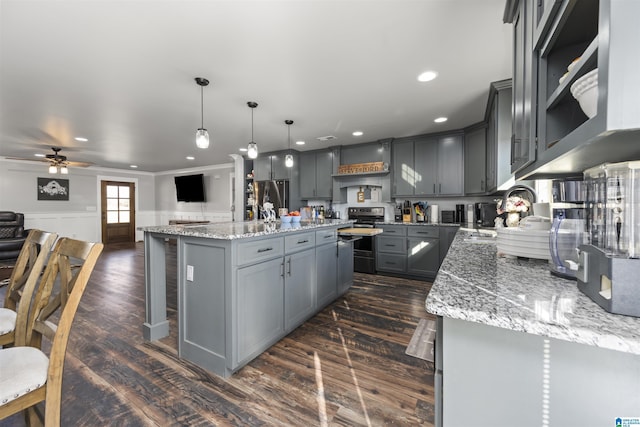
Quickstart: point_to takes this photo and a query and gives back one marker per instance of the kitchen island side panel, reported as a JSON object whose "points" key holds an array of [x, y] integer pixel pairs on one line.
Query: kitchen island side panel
{"points": [[202, 301]]}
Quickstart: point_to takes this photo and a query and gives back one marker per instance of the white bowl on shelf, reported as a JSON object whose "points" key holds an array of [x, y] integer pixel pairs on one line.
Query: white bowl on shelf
{"points": [[585, 91]]}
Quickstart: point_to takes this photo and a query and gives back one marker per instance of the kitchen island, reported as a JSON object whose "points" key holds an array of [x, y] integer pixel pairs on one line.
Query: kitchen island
{"points": [[518, 346], [242, 286]]}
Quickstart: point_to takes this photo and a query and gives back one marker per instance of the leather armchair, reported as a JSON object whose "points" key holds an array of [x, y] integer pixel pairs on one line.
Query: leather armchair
{"points": [[12, 234]]}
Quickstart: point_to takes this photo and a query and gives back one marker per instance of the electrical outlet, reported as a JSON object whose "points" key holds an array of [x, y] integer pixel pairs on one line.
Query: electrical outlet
{"points": [[190, 273]]}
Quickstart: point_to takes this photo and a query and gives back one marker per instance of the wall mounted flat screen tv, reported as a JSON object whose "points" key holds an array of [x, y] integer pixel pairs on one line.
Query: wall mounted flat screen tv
{"points": [[190, 188]]}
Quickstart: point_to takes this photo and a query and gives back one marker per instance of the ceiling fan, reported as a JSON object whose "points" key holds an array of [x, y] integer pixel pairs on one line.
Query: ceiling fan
{"points": [[57, 161]]}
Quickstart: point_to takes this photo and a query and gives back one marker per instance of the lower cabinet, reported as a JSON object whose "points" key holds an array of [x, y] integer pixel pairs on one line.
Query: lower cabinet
{"points": [[345, 266], [413, 250], [326, 266], [423, 256], [260, 291], [299, 289]]}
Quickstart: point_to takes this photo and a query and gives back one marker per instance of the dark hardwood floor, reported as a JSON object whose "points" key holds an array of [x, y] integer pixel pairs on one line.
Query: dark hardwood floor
{"points": [[345, 367]]}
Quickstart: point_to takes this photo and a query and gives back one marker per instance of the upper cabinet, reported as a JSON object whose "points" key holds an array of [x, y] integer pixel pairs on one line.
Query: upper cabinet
{"points": [[270, 166], [475, 159], [431, 165], [523, 139], [499, 134], [315, 179], [570, 39]]}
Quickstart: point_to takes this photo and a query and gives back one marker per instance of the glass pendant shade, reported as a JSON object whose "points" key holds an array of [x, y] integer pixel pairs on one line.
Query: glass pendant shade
{"points": [[202, 138], [53, 169], [64, 170], [288, 161], [252, 150]]}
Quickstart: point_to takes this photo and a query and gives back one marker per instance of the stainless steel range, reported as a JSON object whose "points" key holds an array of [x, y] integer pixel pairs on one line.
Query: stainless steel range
{"points": [[364, 251]]}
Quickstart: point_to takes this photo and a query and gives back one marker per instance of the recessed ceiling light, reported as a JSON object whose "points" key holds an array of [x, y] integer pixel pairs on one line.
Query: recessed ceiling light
{"points": [[440, 120], [243, 149], [39, 155], [81, 139], [133, 166], [299, 142], [427, 76], [357, 133], [190, 158]]}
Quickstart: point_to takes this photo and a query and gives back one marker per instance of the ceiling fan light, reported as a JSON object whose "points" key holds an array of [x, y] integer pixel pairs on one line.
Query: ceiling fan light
{"points": [[64, 170], [53, 169], [202, 138], [288, 161], [252, 150]]}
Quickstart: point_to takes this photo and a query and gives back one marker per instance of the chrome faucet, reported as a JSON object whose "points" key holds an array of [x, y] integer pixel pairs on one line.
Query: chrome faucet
{"points": [[520, 187]]}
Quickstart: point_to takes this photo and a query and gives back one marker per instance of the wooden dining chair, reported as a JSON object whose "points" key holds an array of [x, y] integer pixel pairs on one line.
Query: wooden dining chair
{"points": [[22, 283], [27, 375]]}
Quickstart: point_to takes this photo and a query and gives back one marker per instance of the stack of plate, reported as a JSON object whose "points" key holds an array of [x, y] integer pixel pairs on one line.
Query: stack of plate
{"points": [[522, 242]]}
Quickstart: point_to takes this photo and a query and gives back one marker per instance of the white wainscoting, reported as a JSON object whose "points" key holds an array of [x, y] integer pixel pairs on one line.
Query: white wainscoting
{"points": [[82, 225]]}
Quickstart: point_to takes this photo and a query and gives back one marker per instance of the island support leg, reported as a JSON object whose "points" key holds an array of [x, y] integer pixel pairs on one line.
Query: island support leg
{"points": [[156, 325]]}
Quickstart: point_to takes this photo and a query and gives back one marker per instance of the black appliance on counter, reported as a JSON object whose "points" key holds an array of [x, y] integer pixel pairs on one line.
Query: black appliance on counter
{"points": [[486, 214], [397, 213], [460, 214], [364, 250]]}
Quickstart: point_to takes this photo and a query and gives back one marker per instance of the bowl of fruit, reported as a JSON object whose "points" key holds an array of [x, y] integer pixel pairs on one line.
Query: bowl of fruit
{"points": [[295, 216]]}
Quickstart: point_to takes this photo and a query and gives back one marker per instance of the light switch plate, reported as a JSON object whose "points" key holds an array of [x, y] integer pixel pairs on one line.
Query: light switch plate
{"points": [[190, 273]]}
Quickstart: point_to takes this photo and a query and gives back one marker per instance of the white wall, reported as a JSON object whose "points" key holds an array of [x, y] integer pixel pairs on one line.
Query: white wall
{"points": [[79, 216]]}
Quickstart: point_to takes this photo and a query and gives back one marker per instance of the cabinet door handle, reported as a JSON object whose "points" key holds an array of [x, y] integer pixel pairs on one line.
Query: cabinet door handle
{"points": [[439, 188], [264, 250], [328, 236], [303, 241], [289, 266], [434, 187], [389, 244], [482, 185], [282, 269]]}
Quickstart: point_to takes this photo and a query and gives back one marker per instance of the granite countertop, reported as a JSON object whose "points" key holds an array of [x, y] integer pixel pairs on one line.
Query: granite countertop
{"points": [[418, 224], [476, 285], [242, 229]]}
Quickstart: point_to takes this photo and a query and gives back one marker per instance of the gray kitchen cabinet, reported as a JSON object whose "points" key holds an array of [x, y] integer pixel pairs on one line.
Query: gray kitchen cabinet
{"points": [[391, 249], [499, 132], [403, 168], [423, 256], [523, 140], [271, 166], [262, 168], [326, 276], [414, 251], [315, 179], [260, 296], [475, 162], [299, 288], [345, 266], [447, 234], [428, 165]]}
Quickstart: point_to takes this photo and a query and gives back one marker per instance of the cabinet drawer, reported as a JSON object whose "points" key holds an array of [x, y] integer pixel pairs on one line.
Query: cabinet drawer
{"points": [[391, 262], [298, 242], [391, 244], [326, 236], [253, 251], [424, 231], [396, 230]]}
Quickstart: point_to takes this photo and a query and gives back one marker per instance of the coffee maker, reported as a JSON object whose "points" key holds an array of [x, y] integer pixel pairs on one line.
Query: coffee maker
{"points": [[609, 267], [568, 228]]}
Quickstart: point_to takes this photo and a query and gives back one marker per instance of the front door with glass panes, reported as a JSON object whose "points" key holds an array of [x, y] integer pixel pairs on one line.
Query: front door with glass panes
{"points": [[118, 212]]}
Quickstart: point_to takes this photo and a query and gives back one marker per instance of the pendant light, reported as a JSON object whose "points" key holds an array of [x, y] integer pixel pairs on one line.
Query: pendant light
{"points": [[288, 159], [202, 135], [252, 149]]}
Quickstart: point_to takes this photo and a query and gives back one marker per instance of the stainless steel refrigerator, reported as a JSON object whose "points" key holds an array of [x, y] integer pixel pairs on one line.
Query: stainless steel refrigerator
{"points": [[276, 192]]}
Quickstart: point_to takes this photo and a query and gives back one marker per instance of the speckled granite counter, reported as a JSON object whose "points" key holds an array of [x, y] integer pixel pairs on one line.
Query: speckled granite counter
{"points": [[417, 224], [243, 229], [475, 285]]}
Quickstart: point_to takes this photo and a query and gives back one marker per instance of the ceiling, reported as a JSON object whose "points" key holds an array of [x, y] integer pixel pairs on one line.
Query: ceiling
{"points": [[121, 74]]}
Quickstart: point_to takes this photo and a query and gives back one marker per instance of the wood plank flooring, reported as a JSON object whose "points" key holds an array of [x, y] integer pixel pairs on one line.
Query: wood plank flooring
{"points": [[344, 367]]}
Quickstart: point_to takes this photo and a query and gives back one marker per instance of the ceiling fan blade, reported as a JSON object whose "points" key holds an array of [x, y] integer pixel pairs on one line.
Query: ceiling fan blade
{"points": [[79, 164], [29, 160]]}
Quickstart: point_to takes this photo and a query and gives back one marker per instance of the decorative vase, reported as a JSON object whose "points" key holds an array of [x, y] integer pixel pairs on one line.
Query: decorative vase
{"points": [[513, 219]]}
